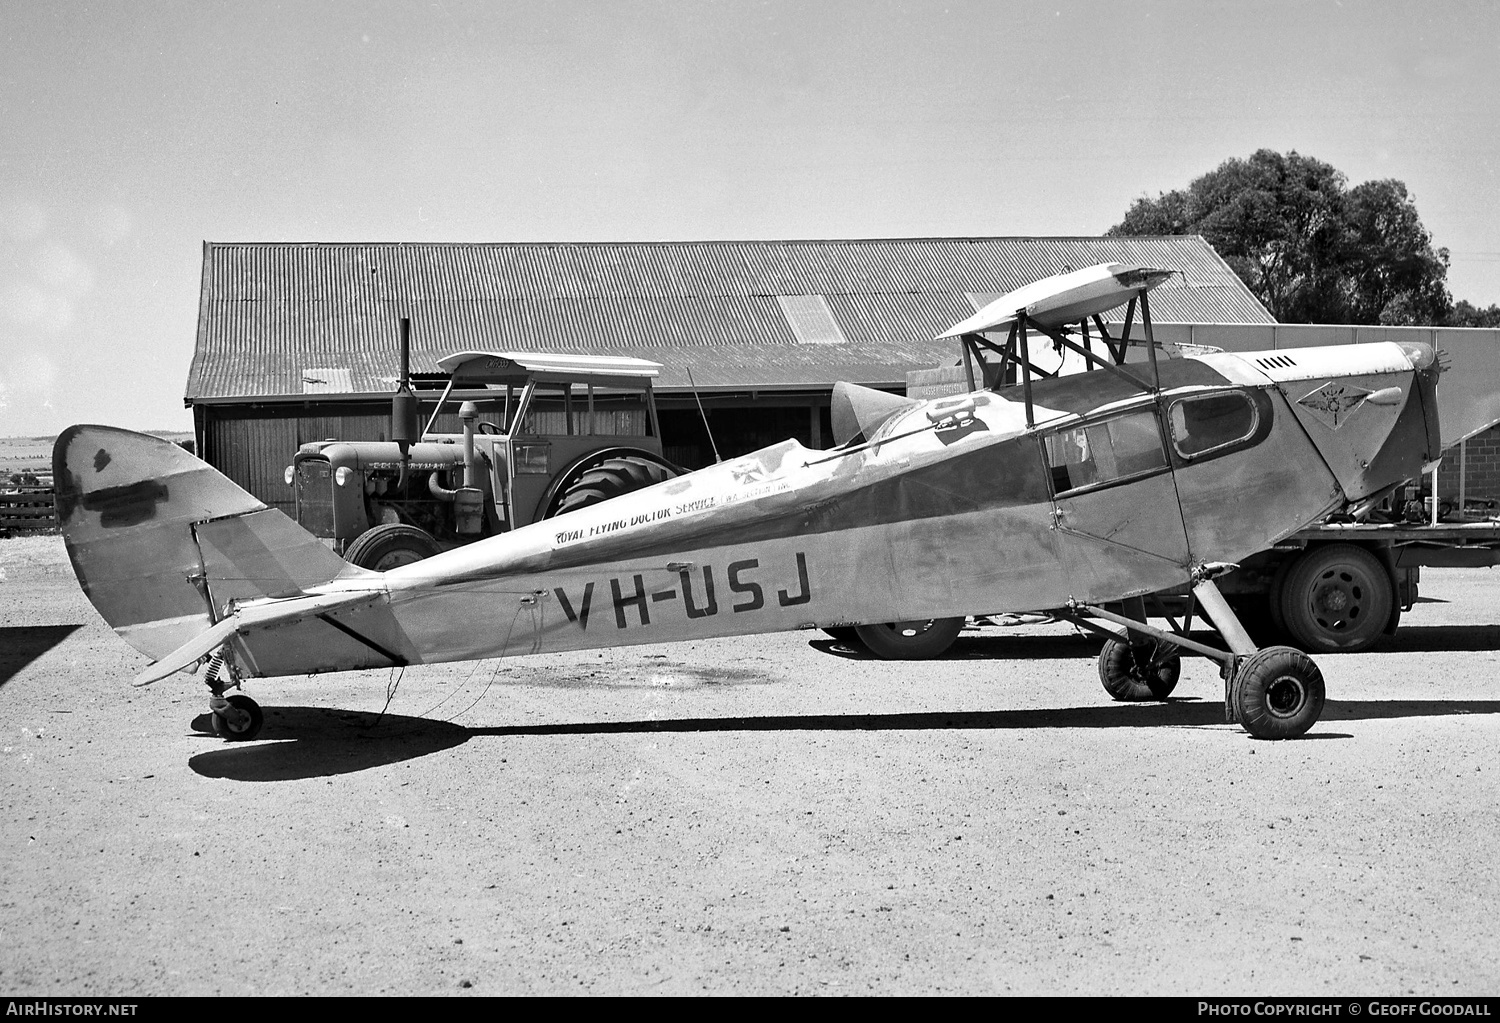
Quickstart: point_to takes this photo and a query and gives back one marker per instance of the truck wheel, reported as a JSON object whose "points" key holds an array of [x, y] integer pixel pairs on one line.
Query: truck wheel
{"points": [[910, 641], [390, 546], [1335, 599], [1278, 693], [1273, 599], [1128, 676], [610, 478]]}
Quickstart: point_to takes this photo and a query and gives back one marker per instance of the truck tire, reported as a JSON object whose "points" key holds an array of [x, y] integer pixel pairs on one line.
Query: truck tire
{"points": [[1336, 599], [390, 546], [610, 478], [910, 641]]}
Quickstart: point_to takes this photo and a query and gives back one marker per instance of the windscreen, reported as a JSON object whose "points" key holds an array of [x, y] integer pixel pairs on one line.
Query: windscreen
{"points": [[1093, 454]]}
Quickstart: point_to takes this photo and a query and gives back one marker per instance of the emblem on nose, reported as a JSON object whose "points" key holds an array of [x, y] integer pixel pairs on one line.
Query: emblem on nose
{"points": [[1333, 403]]}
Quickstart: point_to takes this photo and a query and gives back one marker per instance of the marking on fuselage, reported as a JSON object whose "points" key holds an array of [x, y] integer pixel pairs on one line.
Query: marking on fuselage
{"points": [[698, 589], [567, 536]]}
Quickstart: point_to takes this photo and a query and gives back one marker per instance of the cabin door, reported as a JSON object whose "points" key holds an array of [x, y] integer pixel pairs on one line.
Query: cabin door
{"points": [[1117, 519]]}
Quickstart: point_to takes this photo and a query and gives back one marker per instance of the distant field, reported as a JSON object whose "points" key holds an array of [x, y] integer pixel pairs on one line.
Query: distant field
{"points": [[34, 454]]}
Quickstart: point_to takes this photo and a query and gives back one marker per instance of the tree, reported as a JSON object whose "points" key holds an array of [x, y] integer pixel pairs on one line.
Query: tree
{"points": [[1466, 315], [1311, 248]]}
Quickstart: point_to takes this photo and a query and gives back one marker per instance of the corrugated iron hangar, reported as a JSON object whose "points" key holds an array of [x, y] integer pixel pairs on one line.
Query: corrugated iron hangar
{"points": [[298, 341]]}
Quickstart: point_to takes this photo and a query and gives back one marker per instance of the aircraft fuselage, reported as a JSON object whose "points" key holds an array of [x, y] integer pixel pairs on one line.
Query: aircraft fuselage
{"points": [[951, 507]]}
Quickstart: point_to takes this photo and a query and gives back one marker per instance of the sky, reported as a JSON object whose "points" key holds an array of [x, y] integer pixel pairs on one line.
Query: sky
{"points": [[132, 131]]}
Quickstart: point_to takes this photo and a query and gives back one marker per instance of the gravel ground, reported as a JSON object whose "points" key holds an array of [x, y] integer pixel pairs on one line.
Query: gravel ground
{"points": [[769, 815]]}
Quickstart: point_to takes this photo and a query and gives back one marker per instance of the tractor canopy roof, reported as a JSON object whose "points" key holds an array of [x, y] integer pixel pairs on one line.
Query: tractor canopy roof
{"points": [[519, 367]]}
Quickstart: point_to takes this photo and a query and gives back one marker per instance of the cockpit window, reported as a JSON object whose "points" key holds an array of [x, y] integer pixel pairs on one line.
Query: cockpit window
{"points": [[1102, 452], [1206, 423]]}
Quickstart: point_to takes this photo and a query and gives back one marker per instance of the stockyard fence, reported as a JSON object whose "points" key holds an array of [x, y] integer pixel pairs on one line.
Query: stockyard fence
{"points": [[26, 505]]}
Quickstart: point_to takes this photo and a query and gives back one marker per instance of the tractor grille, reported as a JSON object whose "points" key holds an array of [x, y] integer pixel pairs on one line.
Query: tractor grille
{"points": [[314, 483]]}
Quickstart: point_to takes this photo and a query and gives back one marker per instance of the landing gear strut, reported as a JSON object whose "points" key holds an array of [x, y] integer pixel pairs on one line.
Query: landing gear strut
{"points": [[1273, 693], [236, 718]]}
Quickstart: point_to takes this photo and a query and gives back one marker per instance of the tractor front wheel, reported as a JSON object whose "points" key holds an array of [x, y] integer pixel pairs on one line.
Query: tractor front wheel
{"points": [[389, 546]]}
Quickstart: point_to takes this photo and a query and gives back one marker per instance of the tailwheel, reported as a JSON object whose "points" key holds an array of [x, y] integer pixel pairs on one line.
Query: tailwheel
{"points": [[1278, 693], [239, 720], [1135, 672]]}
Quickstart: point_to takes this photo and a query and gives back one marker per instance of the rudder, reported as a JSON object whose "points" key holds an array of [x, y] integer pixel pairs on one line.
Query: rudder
{"points": [[161, 541]]}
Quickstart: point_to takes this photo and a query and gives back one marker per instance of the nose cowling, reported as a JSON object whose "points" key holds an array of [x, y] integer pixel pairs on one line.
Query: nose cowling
{"points": [[1370, 410]]}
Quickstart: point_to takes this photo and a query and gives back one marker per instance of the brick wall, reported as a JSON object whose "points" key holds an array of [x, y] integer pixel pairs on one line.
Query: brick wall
{"points": [[1483, 472]]}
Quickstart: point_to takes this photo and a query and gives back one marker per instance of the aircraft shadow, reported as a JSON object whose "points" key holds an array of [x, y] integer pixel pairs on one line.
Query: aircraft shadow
{"points": [[1438, 638], [322, 743], [1189, 712], [311, 742], [996, 646], [20, 645], [984, 648]]}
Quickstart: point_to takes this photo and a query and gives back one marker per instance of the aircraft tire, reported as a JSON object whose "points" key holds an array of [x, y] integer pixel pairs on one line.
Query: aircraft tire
{"points": [[1127, 680], [1278, 693], [910, 641], [246, 731], [390, 545], [611, 478], [1336, 599]]}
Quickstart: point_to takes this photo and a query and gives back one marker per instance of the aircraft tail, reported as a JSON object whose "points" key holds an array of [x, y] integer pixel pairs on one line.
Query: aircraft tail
{"points": [[162, 542]]}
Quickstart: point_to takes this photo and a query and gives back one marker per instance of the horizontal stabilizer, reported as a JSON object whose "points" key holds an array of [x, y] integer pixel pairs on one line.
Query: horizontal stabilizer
{"points": [[189, 653], [258, 615]]}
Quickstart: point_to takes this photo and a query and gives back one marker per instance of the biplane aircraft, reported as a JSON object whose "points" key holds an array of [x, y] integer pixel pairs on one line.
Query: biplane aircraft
{"points": [[1077, 493]]}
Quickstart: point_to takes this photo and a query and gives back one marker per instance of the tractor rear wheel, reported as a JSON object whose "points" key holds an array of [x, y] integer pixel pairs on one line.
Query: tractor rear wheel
{"points": [[612, 477], [389, 546]]}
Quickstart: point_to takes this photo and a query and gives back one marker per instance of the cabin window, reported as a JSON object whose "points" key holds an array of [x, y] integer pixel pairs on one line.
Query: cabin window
{"points": [[1206, 423], [1093, 454]]}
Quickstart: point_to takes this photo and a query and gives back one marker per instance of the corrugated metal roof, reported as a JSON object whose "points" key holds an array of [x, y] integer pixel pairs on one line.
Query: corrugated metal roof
{"points": [[270, 309]]}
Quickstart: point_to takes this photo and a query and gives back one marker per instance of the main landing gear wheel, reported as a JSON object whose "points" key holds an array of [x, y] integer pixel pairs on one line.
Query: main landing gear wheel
{"points": [[910, 641], [1336, 598], [1278, 693], [1135, 673], [389, 546], [240, 721]]}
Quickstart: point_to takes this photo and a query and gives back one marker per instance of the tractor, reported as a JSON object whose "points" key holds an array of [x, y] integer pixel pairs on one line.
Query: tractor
{"points": [[543, 434]]}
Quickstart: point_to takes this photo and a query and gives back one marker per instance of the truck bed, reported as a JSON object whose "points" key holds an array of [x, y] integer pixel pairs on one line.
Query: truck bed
{"points": [[1444, 545]]}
